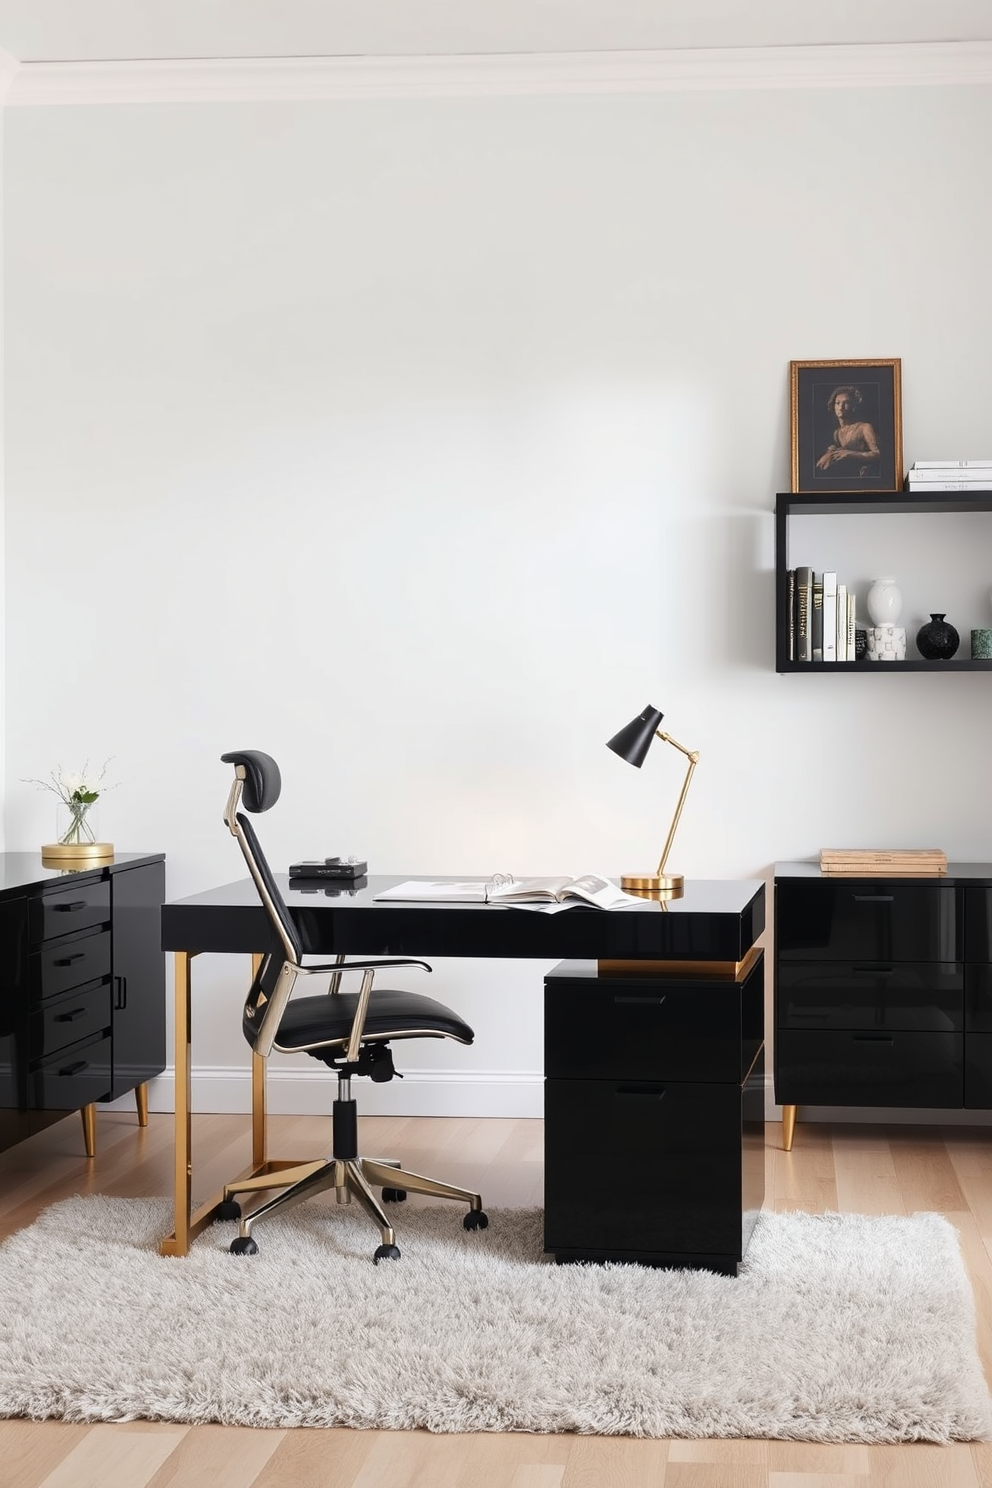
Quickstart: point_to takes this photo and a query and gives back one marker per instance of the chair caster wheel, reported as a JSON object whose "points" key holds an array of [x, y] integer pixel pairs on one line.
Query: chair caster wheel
{"points": [[386, 1253], [393, 1195], [244, 1245], [476, 1219], [229, 1209]]}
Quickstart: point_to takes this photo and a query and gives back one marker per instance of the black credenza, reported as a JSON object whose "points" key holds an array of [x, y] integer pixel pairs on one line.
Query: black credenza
{"points": [[82, 986], [654, 1114], [883, 990]]}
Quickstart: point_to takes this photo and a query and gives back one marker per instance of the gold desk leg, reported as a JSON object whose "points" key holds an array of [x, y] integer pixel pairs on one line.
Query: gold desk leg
{"points": [[259, 1140], [788, 1126], [88, 1114], [189, 1224], [178, 1242], [141, 1103]]}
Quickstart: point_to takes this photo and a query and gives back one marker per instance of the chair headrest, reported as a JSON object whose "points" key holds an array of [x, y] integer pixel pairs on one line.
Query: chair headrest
{"points": [[263, 783]]}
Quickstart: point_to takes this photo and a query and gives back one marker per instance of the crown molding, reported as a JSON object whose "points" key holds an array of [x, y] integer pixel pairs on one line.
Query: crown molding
{"points": [[275, 79]]}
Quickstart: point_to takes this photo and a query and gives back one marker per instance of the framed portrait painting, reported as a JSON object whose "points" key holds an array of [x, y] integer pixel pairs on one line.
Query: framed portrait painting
{"points": [[847, 426]]}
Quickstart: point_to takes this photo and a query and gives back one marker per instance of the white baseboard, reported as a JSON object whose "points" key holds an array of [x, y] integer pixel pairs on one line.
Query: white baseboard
{"points": [[301, 1092]]}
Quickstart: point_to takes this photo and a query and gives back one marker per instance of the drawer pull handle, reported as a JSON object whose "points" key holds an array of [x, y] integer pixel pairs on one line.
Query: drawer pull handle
{"points": [[873, 898], [69, 908], [73, 1069], [68, 960], [873, 970], [640, 1001], [873, 1038], [644, 1092], [69, 1017]]}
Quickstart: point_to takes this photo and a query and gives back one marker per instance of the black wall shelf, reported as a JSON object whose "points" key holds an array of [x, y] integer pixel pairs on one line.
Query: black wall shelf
{"points": [[869, 503]]}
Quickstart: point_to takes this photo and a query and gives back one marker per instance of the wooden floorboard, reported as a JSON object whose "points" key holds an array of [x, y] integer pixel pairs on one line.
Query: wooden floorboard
{"points": [[863, 1168]]}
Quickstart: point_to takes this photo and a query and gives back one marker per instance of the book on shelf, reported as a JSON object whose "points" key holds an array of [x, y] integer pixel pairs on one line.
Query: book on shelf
{"points": [[828, 584], [852, 650], [816, 617], [934, 486], [790, 613], [919, 465], [841, 627], [804, 598], [548, 894]]}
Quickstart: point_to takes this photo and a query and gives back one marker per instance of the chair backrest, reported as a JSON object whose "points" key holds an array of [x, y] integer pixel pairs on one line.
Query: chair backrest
{"points": [[257, 787]]}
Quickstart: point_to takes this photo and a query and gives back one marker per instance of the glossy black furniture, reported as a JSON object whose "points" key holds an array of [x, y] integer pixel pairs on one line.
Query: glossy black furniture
{"points": [[715, 920], [883, 989], [82, 990], [654, 1127], [789, 504]]}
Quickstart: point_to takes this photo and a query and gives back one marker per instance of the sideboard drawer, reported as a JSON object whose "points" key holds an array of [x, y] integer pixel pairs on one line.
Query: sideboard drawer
{"points": [[866, 920], [871, 994], [70, 1019], [856, 1068], [66, 964], [68, 910], [75, 1077]]}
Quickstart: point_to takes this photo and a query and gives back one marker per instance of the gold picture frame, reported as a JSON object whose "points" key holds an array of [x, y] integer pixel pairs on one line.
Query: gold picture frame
{"points": [[846, 425]]}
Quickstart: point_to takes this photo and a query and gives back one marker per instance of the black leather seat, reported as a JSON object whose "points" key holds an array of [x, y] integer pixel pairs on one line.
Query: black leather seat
{"points": [[349, 1031]]}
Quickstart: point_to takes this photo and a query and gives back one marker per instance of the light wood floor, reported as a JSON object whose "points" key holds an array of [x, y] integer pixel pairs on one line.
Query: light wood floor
{"points": [[869, 1169]]}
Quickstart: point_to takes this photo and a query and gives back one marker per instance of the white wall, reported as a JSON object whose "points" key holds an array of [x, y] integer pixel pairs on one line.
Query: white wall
{"points": [[423, 443]]}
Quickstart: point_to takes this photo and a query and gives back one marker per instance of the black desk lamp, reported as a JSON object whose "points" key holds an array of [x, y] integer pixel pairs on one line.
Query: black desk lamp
{"points": [[632, 744]]}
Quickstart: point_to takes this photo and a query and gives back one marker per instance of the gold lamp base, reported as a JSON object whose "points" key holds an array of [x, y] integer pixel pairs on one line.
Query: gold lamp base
{"points": [[76, 854], [654, 885]]}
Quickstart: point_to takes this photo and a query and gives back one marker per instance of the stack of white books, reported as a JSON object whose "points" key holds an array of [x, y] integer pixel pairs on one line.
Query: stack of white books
{"points": [[950, 475]]}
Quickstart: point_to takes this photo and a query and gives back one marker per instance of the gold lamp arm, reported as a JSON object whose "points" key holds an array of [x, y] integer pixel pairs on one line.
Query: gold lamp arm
{"points": [[692, 755]]}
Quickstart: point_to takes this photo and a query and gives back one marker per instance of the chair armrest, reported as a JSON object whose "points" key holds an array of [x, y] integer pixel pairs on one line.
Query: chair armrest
{"points": [[342, 966]]}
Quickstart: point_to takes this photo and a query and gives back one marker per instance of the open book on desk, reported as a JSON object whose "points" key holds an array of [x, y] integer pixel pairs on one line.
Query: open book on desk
{"points": [[547, 894]]}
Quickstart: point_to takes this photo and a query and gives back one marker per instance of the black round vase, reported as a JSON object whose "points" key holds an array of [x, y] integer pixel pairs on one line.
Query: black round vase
{"points": [[937, 640]]}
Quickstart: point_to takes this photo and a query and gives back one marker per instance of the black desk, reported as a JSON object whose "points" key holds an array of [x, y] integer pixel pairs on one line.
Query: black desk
{"points": [[716, 921]]}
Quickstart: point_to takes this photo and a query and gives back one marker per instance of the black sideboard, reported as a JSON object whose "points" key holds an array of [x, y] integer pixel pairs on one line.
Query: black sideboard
{"points": [[883, 989], [82, 988]]}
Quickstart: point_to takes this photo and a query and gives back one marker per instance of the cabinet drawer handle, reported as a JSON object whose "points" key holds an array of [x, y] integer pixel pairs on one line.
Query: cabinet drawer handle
{"points": [[69, 1017], [640, 1001], [873, 898], [644, 1092], [873, 971], [873, 1038], [73, 1069], [69, 908], [68, 960]]}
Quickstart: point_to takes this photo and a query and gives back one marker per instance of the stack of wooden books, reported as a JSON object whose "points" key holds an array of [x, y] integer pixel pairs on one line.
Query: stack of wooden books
{"points": [[921, 862]]}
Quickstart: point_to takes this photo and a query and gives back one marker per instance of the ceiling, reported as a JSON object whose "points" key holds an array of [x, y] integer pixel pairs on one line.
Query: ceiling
{"points": [[103, 30]]}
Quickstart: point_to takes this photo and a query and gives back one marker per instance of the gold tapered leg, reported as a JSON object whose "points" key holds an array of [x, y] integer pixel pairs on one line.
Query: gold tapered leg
{"points": [[258, 1112], [88, 1114], [788, 1126], [179, 1241], [141, 1103]]}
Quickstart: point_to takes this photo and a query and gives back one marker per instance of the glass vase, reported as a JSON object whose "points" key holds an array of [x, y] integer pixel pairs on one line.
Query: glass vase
{"points": [[76, 824]]}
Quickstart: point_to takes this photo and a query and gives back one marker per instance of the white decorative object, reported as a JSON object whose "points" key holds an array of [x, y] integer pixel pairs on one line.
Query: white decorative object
{"points": [[884, 602], [886, 642]]}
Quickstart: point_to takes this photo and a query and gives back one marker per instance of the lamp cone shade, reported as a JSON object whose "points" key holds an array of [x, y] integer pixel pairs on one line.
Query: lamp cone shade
{"points": [[634, 740]]}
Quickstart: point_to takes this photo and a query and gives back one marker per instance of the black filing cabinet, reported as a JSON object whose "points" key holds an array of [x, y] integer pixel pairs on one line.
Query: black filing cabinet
{"points": [[654, 1114], [82, 986], [883, 988]]}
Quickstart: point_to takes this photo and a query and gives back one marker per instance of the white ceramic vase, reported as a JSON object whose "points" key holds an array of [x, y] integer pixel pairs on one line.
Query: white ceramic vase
{"points": [[884, 602]]}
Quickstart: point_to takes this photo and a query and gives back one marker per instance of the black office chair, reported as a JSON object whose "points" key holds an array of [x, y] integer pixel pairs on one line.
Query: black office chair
{"points": [[349, 1031]]}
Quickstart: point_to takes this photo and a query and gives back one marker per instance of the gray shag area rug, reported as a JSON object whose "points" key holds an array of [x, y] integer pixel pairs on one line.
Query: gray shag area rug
{"points": [[840, 1327]]}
